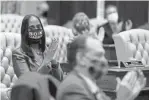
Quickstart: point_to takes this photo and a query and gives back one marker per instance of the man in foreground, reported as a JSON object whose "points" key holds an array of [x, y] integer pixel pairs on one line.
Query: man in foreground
{"points": [[86, 55]]}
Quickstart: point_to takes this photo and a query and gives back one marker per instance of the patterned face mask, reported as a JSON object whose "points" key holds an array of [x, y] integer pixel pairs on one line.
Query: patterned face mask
{"points": [[37, 34]]}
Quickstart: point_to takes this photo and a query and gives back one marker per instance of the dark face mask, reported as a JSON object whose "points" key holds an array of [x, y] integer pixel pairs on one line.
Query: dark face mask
{"points": [[35, 36], [96, 74]]}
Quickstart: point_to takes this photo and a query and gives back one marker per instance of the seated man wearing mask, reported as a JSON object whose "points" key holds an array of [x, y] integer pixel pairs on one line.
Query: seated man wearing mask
{"points": [[115, 25], [89, 64]]}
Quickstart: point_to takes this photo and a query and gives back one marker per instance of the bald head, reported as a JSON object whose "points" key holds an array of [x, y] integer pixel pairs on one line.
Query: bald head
{"points": [[86, 55], [83, 44], [94, 44], [74, 46]]}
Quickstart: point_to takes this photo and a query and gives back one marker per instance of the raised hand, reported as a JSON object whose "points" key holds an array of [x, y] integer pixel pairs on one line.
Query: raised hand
{"points": [[125, 86], [51, 50], [139, 85], [48, 56], [131, 85], [101, 34], [128, 25]]}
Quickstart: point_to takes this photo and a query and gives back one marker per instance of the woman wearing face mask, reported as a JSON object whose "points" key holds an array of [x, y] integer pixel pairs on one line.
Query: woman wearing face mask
{"points": [[33, 55], [114, 25]]}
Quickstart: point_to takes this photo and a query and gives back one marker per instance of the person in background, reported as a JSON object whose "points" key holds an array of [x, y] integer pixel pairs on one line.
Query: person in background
{"points": [[114, 26], [82, 26], [33, 54], [87, 58], [42, 10]]}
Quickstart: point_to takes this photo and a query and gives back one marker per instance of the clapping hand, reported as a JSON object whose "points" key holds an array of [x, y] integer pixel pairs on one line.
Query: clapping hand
{"points": [[128, 25], [101, 34], [51, 50], [139, 85], [131, 85], [48, 56]]}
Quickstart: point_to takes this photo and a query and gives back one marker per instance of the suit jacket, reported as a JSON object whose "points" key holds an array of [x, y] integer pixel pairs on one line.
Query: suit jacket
{"points": [[23, 63], [34, 86], [74, 87]]}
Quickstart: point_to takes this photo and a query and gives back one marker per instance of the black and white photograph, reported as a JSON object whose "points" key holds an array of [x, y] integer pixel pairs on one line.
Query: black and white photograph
{"points": [[74, 50]]}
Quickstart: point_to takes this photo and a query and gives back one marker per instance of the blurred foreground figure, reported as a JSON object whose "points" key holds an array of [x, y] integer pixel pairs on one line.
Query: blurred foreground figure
{"points": [[86, 55], [34, 86], [34, 55]]}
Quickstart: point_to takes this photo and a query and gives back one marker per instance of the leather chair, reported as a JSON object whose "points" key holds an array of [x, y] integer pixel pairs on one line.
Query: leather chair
{"points": [[11, 23], [63, 35], [8, 42], [132, 44]]}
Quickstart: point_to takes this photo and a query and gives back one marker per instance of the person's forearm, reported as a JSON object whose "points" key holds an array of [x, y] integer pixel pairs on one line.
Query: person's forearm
{"points": [[44, 69]]}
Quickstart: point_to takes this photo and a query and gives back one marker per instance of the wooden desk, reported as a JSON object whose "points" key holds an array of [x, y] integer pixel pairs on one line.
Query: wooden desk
{"points": [[108, 83], [110, 54]]}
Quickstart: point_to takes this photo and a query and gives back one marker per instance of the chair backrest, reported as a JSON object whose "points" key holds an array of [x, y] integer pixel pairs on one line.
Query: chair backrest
{"points": [[10, 23], [63, 35], [133, 44], [8, 42]]}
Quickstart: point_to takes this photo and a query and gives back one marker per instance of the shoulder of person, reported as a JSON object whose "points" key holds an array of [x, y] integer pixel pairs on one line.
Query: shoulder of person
{"points": [[18, 53], [104, 25], [72, 79]]}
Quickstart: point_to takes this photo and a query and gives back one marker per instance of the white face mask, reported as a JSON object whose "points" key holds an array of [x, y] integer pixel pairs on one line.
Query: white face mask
{"points": [[113, 17]]}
